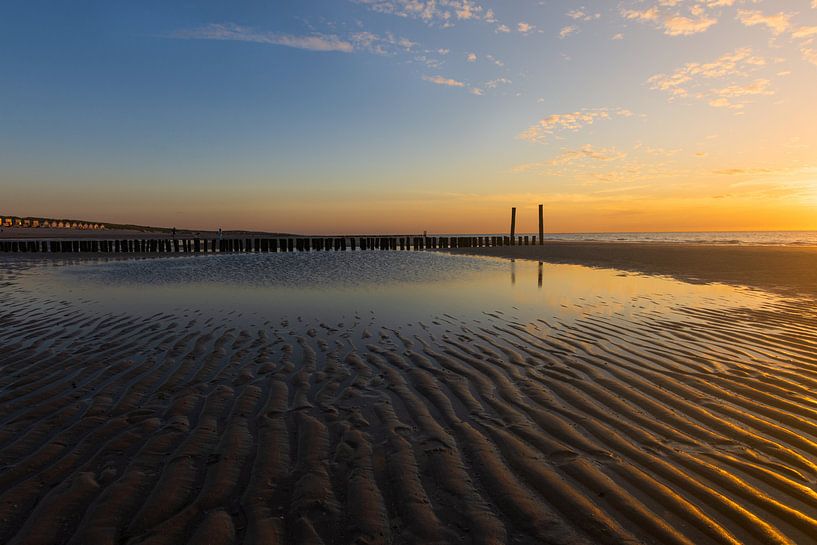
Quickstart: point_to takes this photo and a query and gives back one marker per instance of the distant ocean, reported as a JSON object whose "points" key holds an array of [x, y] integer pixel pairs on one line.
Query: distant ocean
{"points": [[762, 238]]}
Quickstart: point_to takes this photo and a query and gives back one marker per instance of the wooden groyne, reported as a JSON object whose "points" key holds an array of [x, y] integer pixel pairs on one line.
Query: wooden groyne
{"points": [[258, 245]]}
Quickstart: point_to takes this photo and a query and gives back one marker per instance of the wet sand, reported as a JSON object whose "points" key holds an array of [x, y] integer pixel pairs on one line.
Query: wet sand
{"points": [[784, 269], [181, 428]]}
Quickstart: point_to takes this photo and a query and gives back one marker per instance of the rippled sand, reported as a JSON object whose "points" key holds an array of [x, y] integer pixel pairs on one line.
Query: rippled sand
{"points": [[683, 425]]}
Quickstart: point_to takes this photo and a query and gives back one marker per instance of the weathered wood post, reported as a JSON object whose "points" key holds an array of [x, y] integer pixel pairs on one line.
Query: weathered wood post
{"points": [[541, 225], [513, 224]]}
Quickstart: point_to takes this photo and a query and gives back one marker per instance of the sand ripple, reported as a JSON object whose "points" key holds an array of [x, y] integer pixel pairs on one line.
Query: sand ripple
{"points": [[171, 429]]}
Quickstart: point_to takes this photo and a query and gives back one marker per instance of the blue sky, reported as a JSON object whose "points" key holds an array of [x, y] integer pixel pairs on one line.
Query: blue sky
{"points": [[410, 114]]}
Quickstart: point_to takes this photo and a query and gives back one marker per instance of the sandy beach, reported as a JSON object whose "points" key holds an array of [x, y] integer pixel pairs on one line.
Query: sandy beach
{"points": [[605, 426], [408, 272], [786, 269]]}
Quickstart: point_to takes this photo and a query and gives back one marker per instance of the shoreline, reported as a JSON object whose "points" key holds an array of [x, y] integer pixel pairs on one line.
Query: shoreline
{"points": [[784, 270], [781, 269]]}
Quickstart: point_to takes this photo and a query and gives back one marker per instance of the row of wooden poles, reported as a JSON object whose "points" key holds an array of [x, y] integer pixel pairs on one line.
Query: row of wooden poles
{"points": [[265, 245], [257, 245]]}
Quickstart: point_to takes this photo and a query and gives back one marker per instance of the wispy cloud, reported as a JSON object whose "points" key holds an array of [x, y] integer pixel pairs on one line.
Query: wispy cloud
{"points": [[777, 22], [684, 26], [649, 14], [669, 15], [442, 12], [441, 80], [573, 121], [494, 83], [581, 15], [587, 152], [804, 32], [237, 33], [386, 44], [705, 81], [810, 55], [567, 31]]}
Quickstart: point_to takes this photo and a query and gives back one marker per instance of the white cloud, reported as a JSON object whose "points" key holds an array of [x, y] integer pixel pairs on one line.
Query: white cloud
{"points": [[471, 57], [237, 33]]}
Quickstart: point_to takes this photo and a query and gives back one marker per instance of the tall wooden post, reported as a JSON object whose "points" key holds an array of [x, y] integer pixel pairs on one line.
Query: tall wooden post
{"points": [[541, 225], [513, 224]]}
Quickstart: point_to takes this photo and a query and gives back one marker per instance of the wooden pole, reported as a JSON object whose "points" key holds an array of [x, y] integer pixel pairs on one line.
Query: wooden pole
{"points": [[541, 224], [513, 223]]}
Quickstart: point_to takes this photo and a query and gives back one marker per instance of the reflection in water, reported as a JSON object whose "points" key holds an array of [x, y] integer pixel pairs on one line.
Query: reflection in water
{"points": [[213, 379], [396, 286]]}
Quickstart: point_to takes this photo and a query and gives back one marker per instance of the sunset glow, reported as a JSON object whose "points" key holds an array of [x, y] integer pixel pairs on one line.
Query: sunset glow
{"points": [[403, 115]]}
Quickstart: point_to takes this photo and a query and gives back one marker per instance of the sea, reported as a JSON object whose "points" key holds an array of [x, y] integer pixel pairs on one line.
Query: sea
{"points": [[747, 238]]}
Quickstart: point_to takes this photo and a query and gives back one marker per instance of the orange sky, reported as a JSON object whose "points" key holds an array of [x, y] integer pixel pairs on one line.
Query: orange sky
{"points": [[638, 115]]}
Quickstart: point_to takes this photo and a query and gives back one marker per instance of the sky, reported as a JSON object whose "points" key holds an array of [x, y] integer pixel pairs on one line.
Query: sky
{"points": [[375, 116]]}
